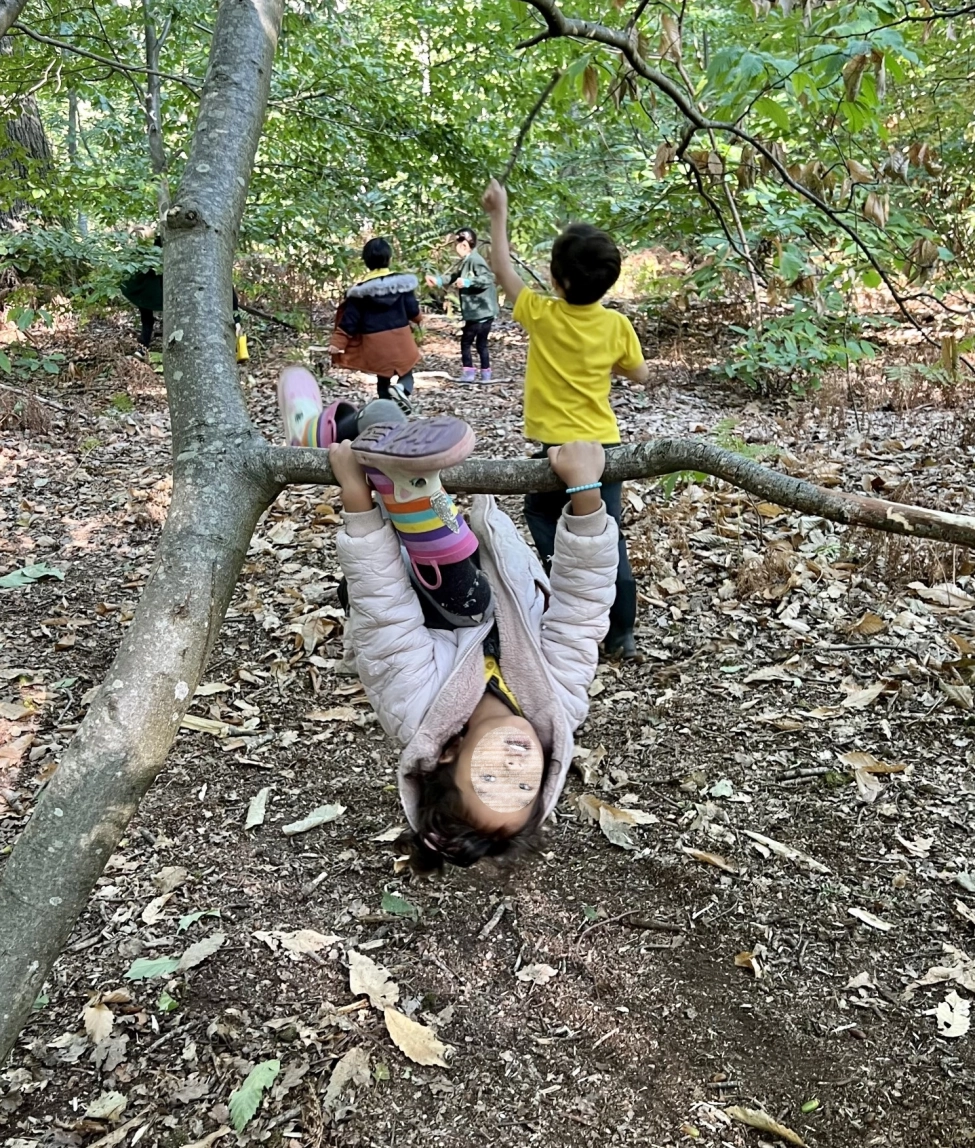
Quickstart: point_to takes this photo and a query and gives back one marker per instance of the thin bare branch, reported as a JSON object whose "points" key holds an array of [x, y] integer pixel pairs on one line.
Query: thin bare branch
{"points": [[191, 83], [526, 126]]}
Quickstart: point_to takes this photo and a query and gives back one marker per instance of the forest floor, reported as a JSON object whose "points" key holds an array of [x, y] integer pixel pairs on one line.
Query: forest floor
{"points": [[790, 929]]}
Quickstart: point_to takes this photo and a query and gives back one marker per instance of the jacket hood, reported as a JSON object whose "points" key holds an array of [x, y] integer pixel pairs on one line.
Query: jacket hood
{"points": [[395, 283]]}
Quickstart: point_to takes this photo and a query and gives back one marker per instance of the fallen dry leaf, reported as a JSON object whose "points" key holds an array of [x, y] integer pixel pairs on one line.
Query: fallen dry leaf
{"points": [[752, 960], [953, 1016], [945, 594], [795, 855], [99, 1020], [869, 624], [755, 1118], [537, 974], [870, 919], [153, 912], [210, 1139], [860, 699], [868, 763], [352, 1068], [964, 912], [320, 816], [197, 953], [414, 1040], [366, 977]]}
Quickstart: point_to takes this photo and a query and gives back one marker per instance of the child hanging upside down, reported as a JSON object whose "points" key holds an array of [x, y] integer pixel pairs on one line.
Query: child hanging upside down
{"points": [[474, 661]]}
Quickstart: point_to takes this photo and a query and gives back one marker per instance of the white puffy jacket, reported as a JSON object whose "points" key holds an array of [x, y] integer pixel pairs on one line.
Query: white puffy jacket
{"points": [[424, 684]]}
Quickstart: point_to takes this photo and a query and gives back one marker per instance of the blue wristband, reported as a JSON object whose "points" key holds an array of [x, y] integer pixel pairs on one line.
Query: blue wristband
{"points": [[588, 486]]}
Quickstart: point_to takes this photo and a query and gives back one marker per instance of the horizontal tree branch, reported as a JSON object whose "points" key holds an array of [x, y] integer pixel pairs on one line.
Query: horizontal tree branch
{"points": [[667, 456]]}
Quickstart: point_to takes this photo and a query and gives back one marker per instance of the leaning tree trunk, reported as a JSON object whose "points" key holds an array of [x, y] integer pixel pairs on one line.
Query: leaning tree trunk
{"points": [[10, 11], [219, 492]]}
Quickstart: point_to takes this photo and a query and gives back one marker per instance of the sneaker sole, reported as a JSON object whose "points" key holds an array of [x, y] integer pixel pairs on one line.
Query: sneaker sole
{"points": [[418, 447]]}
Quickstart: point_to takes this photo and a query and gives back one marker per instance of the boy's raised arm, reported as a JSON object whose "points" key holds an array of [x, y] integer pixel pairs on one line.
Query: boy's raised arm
{"points": [[495, 203]]}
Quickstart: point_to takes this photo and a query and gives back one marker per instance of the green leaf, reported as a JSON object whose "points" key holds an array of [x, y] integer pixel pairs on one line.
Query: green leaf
{"points": [[145, 969], [773, 111], [42, 1000], [4, 362], [394, 903], [810, 1106], [28, 574], [192, 918], [244, 1101], [166, 1003], [871, 278], [590, 913]]}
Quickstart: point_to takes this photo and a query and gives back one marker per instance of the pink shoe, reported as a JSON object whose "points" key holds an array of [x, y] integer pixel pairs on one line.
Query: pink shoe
{"points": [[300, 402]]}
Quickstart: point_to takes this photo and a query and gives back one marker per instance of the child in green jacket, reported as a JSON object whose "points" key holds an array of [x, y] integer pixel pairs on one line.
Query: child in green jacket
{"points": [[478, 304]]}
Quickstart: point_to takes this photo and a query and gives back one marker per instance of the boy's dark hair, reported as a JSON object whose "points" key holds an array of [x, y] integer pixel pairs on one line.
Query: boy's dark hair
{"points": [[377, 254], [444, 834], [468, 236], [585, 263]]}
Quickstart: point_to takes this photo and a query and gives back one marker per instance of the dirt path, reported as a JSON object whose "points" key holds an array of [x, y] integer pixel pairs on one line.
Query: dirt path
{"points": [[756, 941]]}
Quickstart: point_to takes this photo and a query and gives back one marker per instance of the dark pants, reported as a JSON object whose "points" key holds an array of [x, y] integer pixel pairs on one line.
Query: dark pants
{"points": [[383, 381], [543, 511], [475, 331], [464, 590], [148, 320]]}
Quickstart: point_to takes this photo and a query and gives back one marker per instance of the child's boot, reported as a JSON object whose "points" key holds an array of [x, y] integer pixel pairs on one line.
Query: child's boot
{"points": [[485, 375], [305, 423], [403, 464], [468, 375]]}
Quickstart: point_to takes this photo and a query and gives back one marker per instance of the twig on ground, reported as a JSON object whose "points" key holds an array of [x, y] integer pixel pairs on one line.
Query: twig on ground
{"points": [[36, 398], [644, 923], [267, 316]]}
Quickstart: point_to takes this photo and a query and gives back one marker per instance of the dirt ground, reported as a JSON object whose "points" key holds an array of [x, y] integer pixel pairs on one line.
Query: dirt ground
{"points": [[786, 920]]}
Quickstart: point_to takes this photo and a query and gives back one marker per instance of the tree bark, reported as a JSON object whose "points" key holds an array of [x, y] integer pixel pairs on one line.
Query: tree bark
{"points": [[220, 489], [667, 456], [10, 11], [157, 148], [22, 143]]}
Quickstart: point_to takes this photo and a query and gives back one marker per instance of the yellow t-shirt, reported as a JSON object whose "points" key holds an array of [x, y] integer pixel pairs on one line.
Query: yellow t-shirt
{"points": [[492, 677], [571, 351]]}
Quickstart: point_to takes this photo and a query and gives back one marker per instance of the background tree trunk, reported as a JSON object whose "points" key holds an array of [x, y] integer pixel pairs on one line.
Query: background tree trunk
{"points": [[220, 489], [23, 143]]}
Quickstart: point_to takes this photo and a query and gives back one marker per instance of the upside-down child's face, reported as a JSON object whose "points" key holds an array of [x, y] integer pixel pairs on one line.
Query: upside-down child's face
{"points": [[499, 771]]}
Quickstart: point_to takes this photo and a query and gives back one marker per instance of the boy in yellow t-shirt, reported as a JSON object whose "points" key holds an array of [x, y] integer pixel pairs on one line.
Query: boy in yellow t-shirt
{"points": [[575, 346]]}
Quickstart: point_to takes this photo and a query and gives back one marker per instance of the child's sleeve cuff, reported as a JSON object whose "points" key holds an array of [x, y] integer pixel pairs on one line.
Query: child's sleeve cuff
{"points": [[359, 524], [590, 525]]}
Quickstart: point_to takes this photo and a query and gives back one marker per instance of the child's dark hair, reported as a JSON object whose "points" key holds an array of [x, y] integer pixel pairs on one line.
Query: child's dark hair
{"points": [[585, 263], [468, 236], [376, 254], [444, 834]]}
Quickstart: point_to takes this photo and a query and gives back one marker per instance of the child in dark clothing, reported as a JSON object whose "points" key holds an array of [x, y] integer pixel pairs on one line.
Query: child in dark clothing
{"points": [[144, 290], [372, 326], [478, 305]]}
